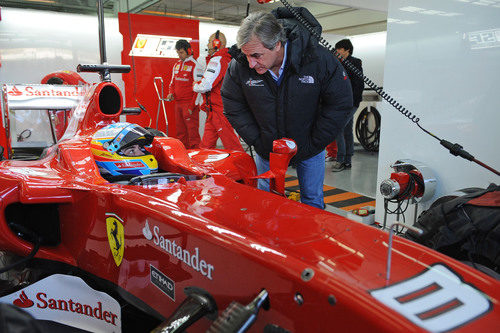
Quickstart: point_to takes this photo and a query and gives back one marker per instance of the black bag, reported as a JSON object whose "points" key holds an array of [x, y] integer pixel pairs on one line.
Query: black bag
{"points": [[466, 227]]}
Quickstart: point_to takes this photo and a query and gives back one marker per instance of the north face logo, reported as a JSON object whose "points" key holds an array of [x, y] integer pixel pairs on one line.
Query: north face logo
{"points": [[23, 301], [306, 79]]}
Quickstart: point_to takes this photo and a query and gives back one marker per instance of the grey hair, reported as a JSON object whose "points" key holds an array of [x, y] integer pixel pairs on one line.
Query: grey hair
{"points": [[262, 25]]}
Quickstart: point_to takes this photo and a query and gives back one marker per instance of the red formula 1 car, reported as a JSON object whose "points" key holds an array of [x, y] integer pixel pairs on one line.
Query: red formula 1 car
{"points": [[125, 255]]}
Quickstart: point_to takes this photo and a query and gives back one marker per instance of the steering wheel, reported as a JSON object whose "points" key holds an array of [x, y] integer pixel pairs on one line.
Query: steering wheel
{"points": [[154, 178]]}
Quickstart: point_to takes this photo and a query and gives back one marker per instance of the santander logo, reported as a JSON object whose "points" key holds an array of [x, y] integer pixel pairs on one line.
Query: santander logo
{"points": [[44, 302], [15, 92], [23, 301], [42, 91], [70, 301]]}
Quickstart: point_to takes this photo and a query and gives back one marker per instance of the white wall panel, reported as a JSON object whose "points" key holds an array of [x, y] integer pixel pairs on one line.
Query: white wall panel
{"points": [[443, 64], [207, 29], [34, 43], [370, 48]]}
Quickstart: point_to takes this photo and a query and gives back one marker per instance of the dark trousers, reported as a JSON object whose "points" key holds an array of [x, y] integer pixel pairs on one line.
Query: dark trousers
{"points": [[345, 141]]}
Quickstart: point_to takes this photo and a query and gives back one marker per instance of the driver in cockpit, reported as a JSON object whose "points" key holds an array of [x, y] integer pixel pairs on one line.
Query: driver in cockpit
{"points": [[119, 151]]}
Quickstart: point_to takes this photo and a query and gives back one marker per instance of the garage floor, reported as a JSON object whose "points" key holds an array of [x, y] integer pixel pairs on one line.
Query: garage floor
{"points": [[360, 180]]}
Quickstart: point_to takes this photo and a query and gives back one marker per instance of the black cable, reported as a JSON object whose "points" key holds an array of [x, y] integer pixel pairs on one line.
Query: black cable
{"points": [[368, 139], [353, 68], [454, 149], [403, 198], [36, 240], [22, 137]]}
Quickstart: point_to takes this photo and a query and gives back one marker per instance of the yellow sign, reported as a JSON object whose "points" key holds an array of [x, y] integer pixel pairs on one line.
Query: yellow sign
{"points": [[116, 237], [140, 43]]}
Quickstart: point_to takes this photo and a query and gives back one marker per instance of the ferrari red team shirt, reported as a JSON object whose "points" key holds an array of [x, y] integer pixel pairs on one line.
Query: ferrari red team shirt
{"points": [[213, 77], [184, 73]]}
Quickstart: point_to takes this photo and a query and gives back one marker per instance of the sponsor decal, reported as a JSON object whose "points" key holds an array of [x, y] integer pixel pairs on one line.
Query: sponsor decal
{"points": [[42, 91], [41, 96], [187, 68], [120, 137], [345, 75], [14, 92], [216, 157], [23, 301], [70, 301], [158, 46], [436, 300], [147, 232], [306, 79], [129, 164], [162, 282], [140, 43], [191, 258], [116, 236], [254, 83]]}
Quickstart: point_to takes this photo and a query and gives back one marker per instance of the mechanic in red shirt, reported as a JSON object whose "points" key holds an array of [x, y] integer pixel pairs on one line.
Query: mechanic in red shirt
{"points": [[216, 125], [184, 73]]}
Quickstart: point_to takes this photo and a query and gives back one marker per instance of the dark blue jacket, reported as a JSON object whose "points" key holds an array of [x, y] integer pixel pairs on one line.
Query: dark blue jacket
{"points": [[356, 81], [310, 106]]}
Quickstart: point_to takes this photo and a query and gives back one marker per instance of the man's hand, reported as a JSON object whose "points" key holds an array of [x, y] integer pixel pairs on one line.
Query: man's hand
{"points": [[170, 97]]}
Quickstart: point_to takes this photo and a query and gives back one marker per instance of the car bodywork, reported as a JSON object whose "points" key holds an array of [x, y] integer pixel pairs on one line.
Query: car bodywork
{"points": [[146, 244]]}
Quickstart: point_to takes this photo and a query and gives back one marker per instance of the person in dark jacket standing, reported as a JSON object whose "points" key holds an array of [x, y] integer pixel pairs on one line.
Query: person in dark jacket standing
{"points": [[345, 139], [284, 84]]}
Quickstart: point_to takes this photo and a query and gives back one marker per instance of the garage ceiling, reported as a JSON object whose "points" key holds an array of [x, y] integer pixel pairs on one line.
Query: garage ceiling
{"points": [[341, 17]]}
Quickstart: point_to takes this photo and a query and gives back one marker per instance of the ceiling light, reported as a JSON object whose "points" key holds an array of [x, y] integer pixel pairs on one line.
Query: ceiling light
{"points": [[391, 20], [412, 9], [179, 15], [45, 1]]}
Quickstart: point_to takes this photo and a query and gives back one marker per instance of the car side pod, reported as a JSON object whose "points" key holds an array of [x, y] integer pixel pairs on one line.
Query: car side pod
{"points": [[283, 151], [197, 304]]}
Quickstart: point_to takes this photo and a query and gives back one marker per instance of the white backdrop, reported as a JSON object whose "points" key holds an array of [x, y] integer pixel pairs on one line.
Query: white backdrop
{"points": [[433, 68], [207, 29], [370, 48], [35, 43]]}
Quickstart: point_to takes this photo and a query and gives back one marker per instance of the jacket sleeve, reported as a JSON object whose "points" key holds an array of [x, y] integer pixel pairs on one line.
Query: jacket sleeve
{"points": [[197, 76], [198, 71], [214, 73], [335, 104], [236, 108], [171, 87], [357, 82]]}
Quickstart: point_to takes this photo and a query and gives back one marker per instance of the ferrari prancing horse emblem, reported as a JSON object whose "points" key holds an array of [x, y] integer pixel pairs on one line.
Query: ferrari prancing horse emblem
{"points": [[116, 237]]}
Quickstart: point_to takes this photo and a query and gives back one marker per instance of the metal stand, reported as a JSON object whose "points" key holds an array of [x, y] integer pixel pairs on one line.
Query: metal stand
{"points": [[389, 246], [161, 101]]}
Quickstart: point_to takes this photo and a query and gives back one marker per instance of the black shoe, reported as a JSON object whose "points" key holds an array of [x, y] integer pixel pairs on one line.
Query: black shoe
{"points": [[338, 166], [347, 165]]}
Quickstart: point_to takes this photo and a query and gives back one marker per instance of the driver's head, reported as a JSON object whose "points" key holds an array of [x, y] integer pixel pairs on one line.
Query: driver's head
{"points": [[119, 149]]}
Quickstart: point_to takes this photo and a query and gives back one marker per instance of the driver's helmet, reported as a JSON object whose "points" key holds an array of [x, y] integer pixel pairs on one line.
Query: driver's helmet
{"points": [[118, 149]]}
